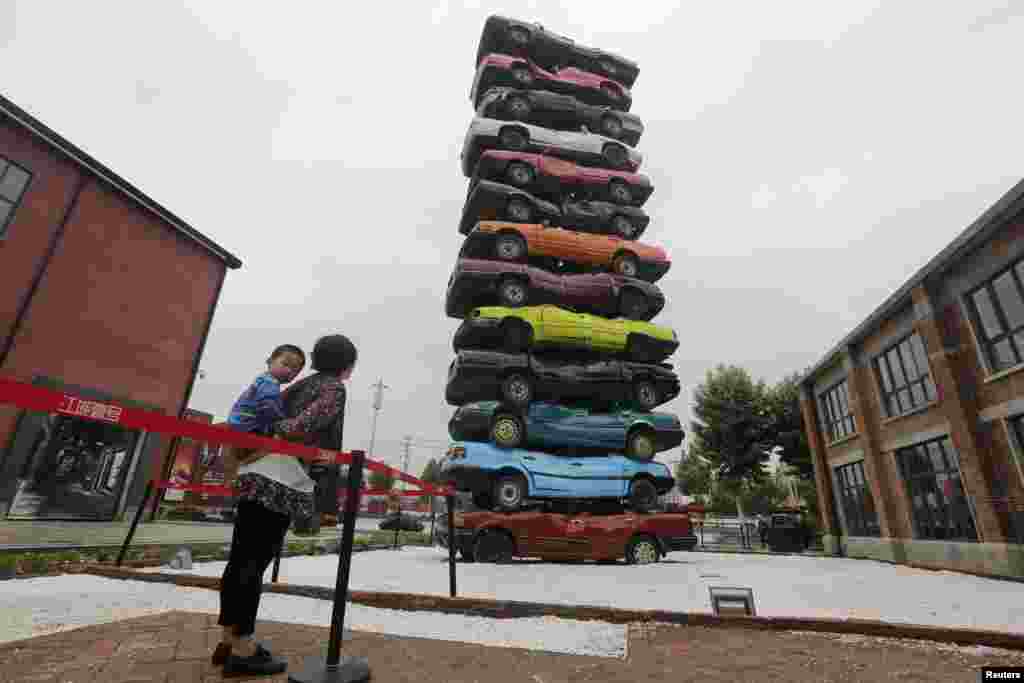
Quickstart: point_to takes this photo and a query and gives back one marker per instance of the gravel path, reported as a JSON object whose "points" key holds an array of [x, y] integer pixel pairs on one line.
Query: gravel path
{"points": [[32, 607], [783, 585]]}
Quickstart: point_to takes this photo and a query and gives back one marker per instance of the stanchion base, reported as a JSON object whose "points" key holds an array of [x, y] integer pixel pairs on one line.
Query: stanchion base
{"points": [[348, 670]]}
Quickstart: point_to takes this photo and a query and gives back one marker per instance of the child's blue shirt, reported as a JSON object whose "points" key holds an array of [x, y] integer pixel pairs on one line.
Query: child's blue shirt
{"points": [[259, 406]]}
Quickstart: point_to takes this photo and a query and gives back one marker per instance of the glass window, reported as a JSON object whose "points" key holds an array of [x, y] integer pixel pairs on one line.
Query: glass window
{"points": [[997, 309], [856, 502], [904, 376], [838, 418], [13, 181], [939, 506]]}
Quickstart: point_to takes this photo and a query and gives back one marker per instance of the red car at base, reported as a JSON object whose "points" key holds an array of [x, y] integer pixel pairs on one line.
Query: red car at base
{"points": [[486, 536]]}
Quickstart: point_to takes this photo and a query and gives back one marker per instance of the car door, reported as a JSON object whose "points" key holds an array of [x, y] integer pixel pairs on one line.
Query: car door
{"points": [[595, 476], [592, 429], [582, 212], [564, 327], [607, 335], [548, 472], [589, 290], [547, 287]]}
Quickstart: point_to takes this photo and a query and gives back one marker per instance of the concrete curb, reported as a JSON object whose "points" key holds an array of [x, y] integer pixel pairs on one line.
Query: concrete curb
{"points": [[511, 609]]}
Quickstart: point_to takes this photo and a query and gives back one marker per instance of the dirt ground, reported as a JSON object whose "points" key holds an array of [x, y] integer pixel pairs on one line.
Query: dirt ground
{"points": [[175, 648]]}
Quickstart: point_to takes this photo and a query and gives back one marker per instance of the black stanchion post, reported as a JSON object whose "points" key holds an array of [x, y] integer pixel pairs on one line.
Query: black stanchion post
{"points": [[277, 561], [340, 669], [450, 501], [135, 522]]}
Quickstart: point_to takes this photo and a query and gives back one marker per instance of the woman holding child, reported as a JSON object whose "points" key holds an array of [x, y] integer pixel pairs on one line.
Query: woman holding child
{"points": [[274, 488]]}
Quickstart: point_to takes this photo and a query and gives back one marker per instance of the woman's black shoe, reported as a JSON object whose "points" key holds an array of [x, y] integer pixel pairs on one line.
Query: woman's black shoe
{"points": [[260, 664]]}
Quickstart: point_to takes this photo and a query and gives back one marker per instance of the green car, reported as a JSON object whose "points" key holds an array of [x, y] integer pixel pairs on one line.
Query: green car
{"points": [[519, 329]]}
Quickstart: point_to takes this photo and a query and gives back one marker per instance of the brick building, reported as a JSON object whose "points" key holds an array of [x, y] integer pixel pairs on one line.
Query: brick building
{"points": [[105, 293], [916, 418]]}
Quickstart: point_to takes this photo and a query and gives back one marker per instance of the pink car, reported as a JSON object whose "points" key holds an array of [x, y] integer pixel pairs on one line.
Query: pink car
{"points": [[497, 69], [555, 178]]}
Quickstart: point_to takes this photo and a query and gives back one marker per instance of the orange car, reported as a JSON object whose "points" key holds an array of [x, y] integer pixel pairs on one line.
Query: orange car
{"points": [[519, 241]]}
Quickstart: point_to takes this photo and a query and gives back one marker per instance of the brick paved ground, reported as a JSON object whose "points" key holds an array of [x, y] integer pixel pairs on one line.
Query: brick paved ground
{"points": [[175, 648]]}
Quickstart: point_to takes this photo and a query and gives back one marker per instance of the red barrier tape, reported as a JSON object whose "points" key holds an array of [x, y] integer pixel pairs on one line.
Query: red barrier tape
{"points": [[31, 397], [214, 490]]}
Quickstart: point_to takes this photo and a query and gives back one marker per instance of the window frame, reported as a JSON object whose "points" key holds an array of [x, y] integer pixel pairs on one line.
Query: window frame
{"points": [[5, 164], [890, 399], [987, 345], [955, 516], [851, 498], [832, 419]]}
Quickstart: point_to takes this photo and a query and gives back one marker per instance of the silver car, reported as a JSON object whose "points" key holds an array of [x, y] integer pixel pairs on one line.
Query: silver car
{"points": [[587, 148]]}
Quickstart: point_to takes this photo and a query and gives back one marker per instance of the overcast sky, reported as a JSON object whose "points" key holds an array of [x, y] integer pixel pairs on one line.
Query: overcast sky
{"points": [[807, 158]]}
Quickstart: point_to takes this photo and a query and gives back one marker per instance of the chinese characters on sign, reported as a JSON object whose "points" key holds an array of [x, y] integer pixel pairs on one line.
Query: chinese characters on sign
{"points": [[93, 409]]}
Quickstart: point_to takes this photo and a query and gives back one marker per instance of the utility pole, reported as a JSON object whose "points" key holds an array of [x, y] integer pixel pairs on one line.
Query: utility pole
{"points": [[378, 400], [407, 445]]}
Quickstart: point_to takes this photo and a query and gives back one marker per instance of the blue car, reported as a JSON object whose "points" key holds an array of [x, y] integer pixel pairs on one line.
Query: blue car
{"points": [[504, 478], [552, 425]]}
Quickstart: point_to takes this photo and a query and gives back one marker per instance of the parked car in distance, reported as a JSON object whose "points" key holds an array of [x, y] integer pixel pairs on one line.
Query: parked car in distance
{"points": [[560, 112], [521, 378], [560, 427], [533, 327], [490, 200], [554, 178], [531, 40], [499, 69], [586, 148], [506, 478], [518, 242], [400, 522], [480, 282]]}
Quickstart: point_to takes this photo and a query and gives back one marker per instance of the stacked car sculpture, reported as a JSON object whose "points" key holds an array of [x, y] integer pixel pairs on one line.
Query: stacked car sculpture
{"points": [[558, 366]]}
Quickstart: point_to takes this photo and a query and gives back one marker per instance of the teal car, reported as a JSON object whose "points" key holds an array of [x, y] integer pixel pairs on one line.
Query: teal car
{"points": [[640, 435]]}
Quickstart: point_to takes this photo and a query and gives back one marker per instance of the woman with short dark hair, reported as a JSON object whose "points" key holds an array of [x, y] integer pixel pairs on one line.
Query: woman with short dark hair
{"points": [[273, 489]]}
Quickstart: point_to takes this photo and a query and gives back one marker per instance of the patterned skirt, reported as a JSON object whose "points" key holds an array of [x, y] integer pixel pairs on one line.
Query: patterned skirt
{"points": [[275, 496]]}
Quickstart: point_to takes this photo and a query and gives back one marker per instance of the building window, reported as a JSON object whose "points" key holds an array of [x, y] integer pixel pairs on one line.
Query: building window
{"points": [[903, 374], [856, 502], [835, 406], [13, 181], [939, 507], [998, 311]]}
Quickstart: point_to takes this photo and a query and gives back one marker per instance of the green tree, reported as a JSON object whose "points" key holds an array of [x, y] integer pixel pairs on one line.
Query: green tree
{"points": [[693, 474], [732, 429], [787, 426], [431, 474]]}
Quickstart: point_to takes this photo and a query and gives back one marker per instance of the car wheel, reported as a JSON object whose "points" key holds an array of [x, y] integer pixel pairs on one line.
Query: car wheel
{"points": [[624, 228], [620, 192], [642, 549], [632, 304], [518, 211], [510, 247], [518, 108], [616, 155], [466, 556], [494, 546], [507, 431], [518, 35], [611, 126], [483, 500], [522, 76], [513, 293], [643, 496], [646, 394], [517, 389], [512, 138], [517, 336], [625, 264], [519, 174], [641, 445], [610, 92], [510, 491]]}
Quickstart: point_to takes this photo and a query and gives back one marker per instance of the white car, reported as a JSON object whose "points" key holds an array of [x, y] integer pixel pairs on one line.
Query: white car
{"points": [[589, 149]]}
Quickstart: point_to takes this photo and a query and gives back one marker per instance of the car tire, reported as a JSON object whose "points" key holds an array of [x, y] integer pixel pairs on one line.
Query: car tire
{"points": [[518, 108], [510, 247], [493, 546], [517, 389], [513, 292], [611, 126], [646, 394], [624, 228], [633, 304], [642, 549], [641, 444], [466, 556], [625, 264], [517, 336], [643, 495], [510, 492], [522, 76], [520, 174], [615, 155], [513, 139], [507, 431], [518, 211], [620, 193]]}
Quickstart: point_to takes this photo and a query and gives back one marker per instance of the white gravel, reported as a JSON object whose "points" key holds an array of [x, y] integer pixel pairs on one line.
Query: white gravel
{"points": [[33, 607], [782, 585]]}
